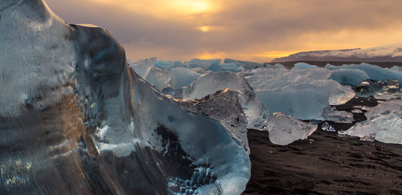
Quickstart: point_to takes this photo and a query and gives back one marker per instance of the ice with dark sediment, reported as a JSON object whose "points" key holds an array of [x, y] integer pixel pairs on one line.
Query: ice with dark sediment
{"points": [[327, 127], [77, 119], [383, 123], [284, 129], [256, 113]]}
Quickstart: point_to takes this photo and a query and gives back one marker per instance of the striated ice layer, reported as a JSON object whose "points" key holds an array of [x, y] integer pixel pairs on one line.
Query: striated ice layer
{"points": [[112, 133], [256, 113], [284, 129], [383, 123], [225, 107], [301, 93]]}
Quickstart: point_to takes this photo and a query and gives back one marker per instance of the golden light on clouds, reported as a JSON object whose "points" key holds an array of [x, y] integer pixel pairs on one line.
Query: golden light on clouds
{"points": [[252, 30], [164, 8], [204, 28]]}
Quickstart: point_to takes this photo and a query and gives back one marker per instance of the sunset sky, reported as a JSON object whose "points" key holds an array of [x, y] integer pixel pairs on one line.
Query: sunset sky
{"points": [[254, 30]]}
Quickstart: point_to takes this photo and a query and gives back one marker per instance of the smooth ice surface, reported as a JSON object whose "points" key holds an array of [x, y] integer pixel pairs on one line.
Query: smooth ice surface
{"points": [[383, 123], [301, 93], [256, 113], [284, 129], [301, 65], [225, 107], [349, 77], [112, 133], [182, 77], [232, 67]]}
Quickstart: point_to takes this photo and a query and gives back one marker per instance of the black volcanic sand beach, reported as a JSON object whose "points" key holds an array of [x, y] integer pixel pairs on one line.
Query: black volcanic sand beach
{"points": [[325, 163]]}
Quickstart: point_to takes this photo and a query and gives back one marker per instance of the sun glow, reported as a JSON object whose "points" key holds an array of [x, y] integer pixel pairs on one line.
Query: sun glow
{"points": [[163, 8], [204, 28]]}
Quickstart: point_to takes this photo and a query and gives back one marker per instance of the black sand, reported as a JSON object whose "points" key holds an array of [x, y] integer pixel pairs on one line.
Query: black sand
{"points": [[325, 163]]}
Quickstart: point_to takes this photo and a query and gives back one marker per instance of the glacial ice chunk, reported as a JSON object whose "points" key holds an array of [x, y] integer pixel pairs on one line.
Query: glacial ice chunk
{"points": [[159, 78], [232, 67], [372, 88], [112, 133], [383, 123], [225, 107], [374, 72], [352, 77], [327, 127], [301, 93], [284, 129], [330, 114], [302, 65], [245, 64], [142, 67], [182, 77], [256, 113]]}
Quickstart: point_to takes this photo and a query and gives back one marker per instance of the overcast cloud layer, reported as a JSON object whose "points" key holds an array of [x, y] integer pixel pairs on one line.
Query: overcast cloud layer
{"points": [[255, 30]]}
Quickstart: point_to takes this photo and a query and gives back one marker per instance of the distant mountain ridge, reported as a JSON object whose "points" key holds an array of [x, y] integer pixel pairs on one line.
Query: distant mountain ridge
{"points": [[388, 53]]}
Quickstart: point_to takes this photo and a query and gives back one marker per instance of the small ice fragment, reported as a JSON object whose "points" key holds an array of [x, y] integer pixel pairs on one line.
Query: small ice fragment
{"points": [[327, 127], [356, 111]]}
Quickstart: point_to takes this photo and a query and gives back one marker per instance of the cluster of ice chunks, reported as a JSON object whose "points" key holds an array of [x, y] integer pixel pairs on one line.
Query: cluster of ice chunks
{"points": [[284, 129], [383, 123], [301, 93], [124, 137], [224, 106], [372, 88], [374, 72], [256, 113]]}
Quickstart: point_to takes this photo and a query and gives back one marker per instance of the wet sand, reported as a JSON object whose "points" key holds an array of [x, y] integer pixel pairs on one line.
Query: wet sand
{"points": [[325, 163]]}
